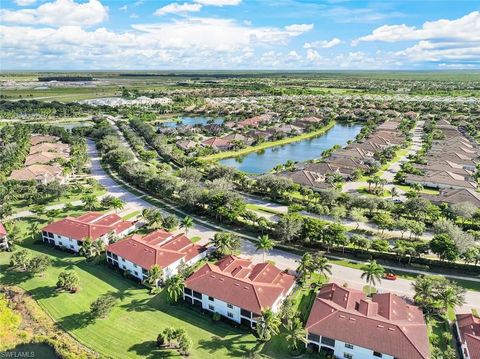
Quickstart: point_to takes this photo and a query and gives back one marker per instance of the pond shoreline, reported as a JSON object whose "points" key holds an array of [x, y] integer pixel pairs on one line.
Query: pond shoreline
{"points": [[265, 145]]}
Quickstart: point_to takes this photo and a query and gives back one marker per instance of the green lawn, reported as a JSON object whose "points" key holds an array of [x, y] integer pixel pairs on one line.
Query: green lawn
{"points": [[425, 190], [284, 141], [131, 328]]}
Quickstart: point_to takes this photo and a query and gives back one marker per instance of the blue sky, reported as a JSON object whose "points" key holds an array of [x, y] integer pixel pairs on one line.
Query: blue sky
{"points": [[239, 34]]}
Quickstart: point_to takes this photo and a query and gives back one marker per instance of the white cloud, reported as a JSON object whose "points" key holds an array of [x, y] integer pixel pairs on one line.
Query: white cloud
{"points": [[324, 44], [58, 13], [123, 8], [219, 2], [176, 8], [465, 28], [185, 43], [299, 28], [293, 56], [25, 2]]}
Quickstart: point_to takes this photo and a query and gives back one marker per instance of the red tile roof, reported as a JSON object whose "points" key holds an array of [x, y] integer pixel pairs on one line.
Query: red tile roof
{"points": [[241, 283], [3, 231], [91, 224], [36, 139], [36, 172], [469, 327], [385, 324], [160, 247]]}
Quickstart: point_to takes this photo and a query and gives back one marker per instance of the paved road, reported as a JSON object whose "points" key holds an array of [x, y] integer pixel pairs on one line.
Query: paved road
{"points": [[389, 173], [283, 259]]}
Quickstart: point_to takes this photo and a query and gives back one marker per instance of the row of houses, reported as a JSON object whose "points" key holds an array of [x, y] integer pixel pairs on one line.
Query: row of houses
{"points": [[41, 164], [349, 161], [343, 322], [450, 163], [248, 132]]}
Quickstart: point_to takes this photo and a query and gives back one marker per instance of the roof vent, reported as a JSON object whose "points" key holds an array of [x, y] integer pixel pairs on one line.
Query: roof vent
{"points": [[391, 329], [352, 319], [341, 316], [380, 326]]}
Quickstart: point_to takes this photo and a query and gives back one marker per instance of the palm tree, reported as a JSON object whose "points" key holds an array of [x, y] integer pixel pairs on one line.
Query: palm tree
{"points": [[175, 285], [322, 266], [187, 224], [372, 273], [394, 192], [306, 266], [268, 325], [89, 201], [87, 248], [117, 203], [295, 333], [225, 243], [33, 229], [451, 296], [155, 273], [265, 244]]}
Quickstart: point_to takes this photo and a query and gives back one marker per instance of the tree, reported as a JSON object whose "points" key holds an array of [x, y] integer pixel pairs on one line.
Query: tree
{"points": [[268, 325], [264, 244], [225, 243], [464, 210], [187, 224], [20, 259], [306, 266], [295, 333], [68, 280], [154, 275], [288, 227], [451, 296], [372, 272], [117, 204], [170, 222], [322, 266], [102, 306], [383, 221], [444, 246], [92, 249], [360, 241], [356, 215], [33, 229], [39, 264], [175, 285], [89, 201]]}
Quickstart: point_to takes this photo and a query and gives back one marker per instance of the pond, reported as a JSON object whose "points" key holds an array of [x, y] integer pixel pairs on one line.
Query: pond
{"points": [[34, 350], [197, 120], [265, 160]]}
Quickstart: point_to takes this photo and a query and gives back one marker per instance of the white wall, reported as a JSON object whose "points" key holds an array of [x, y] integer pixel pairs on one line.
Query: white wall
{"points": [[221, 307], [357, 352]]}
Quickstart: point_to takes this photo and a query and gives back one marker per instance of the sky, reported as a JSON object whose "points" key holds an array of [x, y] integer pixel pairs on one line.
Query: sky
{"points": [[239, 34]]}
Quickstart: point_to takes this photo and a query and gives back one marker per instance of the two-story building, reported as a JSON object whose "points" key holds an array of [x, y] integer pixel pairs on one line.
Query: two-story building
{"points": [[238, 289], [70, 232], [137, 254], [346, 324], [468, 335]]}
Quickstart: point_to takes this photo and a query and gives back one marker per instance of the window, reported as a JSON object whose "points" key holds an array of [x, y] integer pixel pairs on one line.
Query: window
{"points": [[349, 346], [230, 306], [124, 267], [328, 341], [187, 291], [211, 299], [230, 314], [313, 337], [134, 265], [136, 274], [211, 307], [197, 295], [245, 313], [347, 355], [377, 354], [71, 246]]}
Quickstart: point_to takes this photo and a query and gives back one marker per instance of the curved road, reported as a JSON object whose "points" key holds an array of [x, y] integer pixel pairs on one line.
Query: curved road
{"points": [[282, 259]]}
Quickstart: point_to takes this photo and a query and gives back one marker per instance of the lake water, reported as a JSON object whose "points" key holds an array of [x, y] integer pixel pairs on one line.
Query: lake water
{"points": [[198, 120], [71, 125], [264, 160]]}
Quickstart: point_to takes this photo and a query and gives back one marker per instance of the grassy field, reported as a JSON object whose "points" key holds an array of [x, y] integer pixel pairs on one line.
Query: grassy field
{"points": [[131, 328], [425, 190], [262, 146]]}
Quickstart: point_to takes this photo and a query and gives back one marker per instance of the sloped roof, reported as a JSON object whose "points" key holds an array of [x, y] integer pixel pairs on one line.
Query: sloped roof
{"points": [[469, 327], [386, 323], [50, 147], [3, 231], [91, 224], [253, 287], [36, 172], [43, 157], [36, 139], [159, 247]]}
